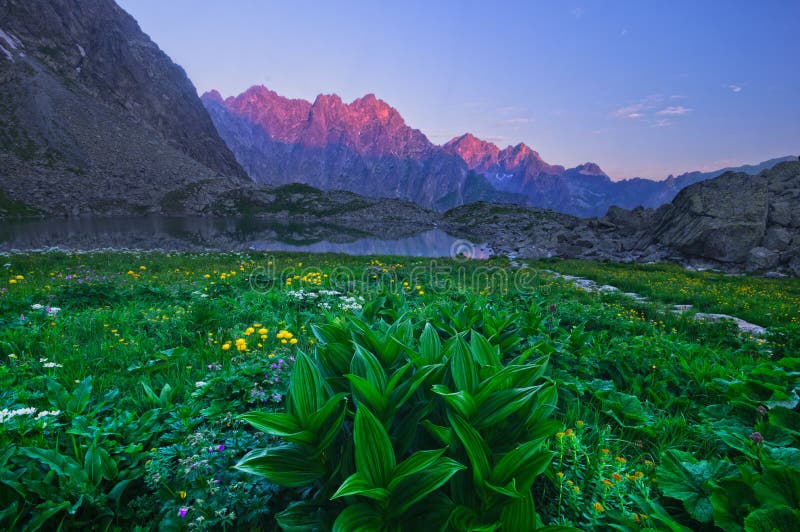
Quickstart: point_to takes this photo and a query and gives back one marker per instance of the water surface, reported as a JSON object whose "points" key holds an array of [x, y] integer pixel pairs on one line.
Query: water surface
{"points": [[228, 234]]}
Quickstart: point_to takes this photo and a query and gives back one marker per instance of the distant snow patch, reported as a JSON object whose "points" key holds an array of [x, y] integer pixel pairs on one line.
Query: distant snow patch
{"points": [[81, 50], [8, 54], [12, 41]]}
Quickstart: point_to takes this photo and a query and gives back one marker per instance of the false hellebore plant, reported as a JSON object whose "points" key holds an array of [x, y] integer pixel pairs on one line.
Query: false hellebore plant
{"points": [[389, 432]]}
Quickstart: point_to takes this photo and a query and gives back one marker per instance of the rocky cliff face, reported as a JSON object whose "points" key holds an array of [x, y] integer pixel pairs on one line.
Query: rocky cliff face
{"points": [[737, 219], [94, 117], [364, 146], [735, 222]]}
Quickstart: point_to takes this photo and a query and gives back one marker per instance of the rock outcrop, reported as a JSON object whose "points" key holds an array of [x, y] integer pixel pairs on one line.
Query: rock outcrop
{"points": [[94, 117], [734, 222]]}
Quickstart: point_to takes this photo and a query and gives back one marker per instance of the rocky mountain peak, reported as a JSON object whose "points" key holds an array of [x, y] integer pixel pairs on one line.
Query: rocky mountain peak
{"points": [[479, 154]]}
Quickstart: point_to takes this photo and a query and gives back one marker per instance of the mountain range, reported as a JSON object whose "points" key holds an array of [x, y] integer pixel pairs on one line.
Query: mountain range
{"points": [[366, 147], [96, 120]]}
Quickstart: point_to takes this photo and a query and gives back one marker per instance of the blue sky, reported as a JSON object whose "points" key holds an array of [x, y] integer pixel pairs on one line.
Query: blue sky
{"points": [[643, 88]]}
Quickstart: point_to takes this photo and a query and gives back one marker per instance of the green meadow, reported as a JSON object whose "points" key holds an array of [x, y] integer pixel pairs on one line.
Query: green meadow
{"points": [[160, 391]]}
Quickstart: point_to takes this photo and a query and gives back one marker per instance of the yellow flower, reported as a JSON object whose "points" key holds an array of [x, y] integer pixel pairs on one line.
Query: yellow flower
{"points": [[19, 278], [207, 276], [182, 494], [607, 482], [226, 346], [560, 474], [249, 331], [576, 489], [570, 432], [283, 341], [559, 435], [616, 476], [421, 292], [293, 341], [621, 460], [12, 281], [579, 423], [605, 451], [271, 355], [142, 268], [599, 508], [262, 331]]}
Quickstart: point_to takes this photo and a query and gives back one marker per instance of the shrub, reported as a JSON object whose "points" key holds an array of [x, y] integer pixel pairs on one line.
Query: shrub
{"points": [[389, 431]]}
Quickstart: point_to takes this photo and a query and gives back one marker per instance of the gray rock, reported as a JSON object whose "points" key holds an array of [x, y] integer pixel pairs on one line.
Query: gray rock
{"points": [[760, 259]]}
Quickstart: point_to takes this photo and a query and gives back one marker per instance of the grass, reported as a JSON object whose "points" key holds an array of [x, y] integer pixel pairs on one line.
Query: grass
{"points": [[759, 300], [152, 357]]}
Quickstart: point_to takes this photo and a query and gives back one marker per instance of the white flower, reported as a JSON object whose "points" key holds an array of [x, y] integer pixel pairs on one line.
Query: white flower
{"points": [[6, 414], [37, 306], [51, 365], [200, 384]]}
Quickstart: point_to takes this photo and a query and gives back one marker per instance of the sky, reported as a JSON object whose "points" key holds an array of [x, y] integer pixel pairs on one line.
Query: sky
{"points": [[641, 87]]}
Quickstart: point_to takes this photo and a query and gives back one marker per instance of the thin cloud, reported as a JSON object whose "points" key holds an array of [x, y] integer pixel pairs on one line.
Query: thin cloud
{"points": [[674, 110], [577, 12], [624, 32], [663, 122], [630, 111], [735, 88]]}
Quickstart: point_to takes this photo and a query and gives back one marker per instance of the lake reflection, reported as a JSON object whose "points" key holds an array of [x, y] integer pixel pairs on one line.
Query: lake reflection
{"points": [[227, 234]]}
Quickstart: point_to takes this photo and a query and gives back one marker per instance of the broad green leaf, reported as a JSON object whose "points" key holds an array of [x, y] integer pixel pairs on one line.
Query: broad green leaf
{"points": [[414, 487], [366, 392], [443, 434], [356, 484], [107, 464], [407, 388], [462, 366], [431, 514], [430, 345], [500, 405], [373, 450], [331, 408], [474, 445], [485, 353], [366, 365], [307, 390], [520, 513], [287, 465], [42, 513], [524, 463], [278, 424], [683, 477], [461, 401], [397, 377], [465, 519], [414, 463], [119, 488], [80, 397], [358, 517], [509, 490], [779, 487], [772, 519], [329, 425], [302, 516]]}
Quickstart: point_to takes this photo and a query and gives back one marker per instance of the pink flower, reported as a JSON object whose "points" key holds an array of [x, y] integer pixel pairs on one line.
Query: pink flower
{"points": [[183, 511]]}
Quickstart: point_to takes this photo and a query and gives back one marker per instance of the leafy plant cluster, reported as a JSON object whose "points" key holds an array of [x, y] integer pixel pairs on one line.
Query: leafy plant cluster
{"points": [[390, 432]]}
